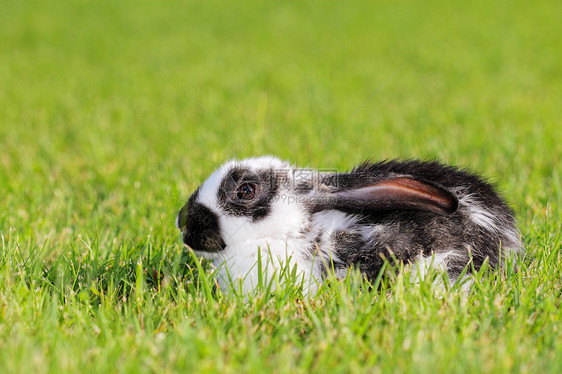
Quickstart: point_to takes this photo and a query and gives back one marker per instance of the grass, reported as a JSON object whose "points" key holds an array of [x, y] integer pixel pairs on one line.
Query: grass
{"points": [[101, 143]]}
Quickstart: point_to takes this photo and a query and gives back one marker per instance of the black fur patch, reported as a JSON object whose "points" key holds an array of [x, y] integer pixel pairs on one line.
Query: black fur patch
{"points": [[267, 183], [200, 227]]}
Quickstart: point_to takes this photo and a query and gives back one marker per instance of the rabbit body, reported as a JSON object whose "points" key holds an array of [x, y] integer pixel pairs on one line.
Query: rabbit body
{"points": [[412, 211]]}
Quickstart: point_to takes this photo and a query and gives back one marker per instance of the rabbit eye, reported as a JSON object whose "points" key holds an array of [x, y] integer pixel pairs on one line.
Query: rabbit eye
{"points": [[246, 191]]}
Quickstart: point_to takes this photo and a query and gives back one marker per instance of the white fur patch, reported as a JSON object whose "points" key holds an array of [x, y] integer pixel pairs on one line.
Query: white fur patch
{"points": [[329, 221], [208, 191], [477, 213], [238, 265], [482, 217], [423, 265]]}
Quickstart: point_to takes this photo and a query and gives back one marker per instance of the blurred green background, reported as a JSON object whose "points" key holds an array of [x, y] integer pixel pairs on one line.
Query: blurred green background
{"points": [[87, 109], [102, 138]]}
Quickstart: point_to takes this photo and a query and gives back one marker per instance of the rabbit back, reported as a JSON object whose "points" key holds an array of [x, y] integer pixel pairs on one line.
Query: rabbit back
{"points": [[483, 226]]}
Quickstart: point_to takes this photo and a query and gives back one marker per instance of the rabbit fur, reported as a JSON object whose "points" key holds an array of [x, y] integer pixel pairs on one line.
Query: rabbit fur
{"points": [[418, 212]]}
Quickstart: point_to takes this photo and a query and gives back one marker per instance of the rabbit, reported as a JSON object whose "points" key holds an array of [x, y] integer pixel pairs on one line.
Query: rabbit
{"points": [[423, 213]]}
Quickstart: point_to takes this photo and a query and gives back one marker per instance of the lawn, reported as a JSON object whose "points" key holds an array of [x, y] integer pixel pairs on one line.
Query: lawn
{"points": [[112, 113]]}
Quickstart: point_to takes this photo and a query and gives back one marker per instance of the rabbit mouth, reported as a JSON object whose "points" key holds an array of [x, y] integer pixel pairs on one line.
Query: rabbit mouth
{"points": [[202, 242]]}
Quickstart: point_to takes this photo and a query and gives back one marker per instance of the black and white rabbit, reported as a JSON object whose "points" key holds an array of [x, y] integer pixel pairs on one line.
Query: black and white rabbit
{"points": [[418, 212]]}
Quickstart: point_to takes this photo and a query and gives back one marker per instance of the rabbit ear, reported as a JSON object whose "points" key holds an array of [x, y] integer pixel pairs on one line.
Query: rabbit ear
{"points": [[391, 194]]}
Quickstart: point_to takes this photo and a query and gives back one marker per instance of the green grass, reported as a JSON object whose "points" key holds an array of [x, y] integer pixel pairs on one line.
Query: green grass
{"points": [[100, 145]]}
